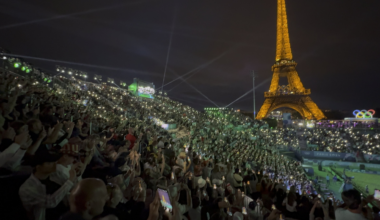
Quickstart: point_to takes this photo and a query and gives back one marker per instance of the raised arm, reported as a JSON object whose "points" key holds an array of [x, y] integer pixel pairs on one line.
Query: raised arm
{"points": [[54, 135]]}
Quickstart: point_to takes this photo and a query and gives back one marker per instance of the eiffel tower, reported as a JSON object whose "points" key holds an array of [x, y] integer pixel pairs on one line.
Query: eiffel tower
{"points": [[293, 95]]}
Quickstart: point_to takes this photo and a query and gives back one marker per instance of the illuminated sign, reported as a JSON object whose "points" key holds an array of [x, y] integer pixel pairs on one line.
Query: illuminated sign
{"points": [[364, 113], [142, 89], [146, 90]]}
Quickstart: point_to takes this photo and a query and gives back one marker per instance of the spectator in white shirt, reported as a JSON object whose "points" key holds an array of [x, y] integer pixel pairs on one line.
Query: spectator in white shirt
{"points": [[351, 208], [290, 203], [33, 192]]}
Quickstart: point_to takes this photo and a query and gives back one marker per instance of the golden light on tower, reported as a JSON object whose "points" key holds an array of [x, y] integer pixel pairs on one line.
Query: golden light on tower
{"points": [[293, 95], [283, 50]]}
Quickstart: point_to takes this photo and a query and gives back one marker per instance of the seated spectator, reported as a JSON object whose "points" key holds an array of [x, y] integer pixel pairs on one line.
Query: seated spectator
{"points": [[350, 209]]}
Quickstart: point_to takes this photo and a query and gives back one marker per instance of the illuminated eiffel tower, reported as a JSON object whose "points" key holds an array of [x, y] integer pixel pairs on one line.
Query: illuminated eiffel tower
{"points": [[293, 95]]}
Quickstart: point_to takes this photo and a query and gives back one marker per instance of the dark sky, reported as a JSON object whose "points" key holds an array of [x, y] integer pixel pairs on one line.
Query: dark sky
{"points": [[335, 42]]}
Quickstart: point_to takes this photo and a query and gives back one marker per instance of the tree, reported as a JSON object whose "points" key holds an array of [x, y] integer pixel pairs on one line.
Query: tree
{"points": [[272, 123], [296, 115]]}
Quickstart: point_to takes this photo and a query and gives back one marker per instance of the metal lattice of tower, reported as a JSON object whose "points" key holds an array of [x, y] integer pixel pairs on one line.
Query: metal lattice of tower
{"points": [[293, 95]]}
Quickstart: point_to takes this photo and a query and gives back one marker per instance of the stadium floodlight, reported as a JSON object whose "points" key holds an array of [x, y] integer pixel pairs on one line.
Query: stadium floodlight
{"points": [[98, 77], [3, 53], [16, 63], [110, 80], [70, 71], [83, 74], [61, 69], [28, 70], [26, 67]]}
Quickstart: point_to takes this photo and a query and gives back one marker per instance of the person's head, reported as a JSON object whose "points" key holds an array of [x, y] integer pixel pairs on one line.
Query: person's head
{"points": [[130, 131], [5, 107], [70, 154], [166, 145], [88, 197], [67, 159], [60, 110], [78, 123], [304, 200], [115, 195], [291, 198], [151, 160], [35, 125], [19, 127], [351, 198], [45, 163], [48, 110], [293, 189]]}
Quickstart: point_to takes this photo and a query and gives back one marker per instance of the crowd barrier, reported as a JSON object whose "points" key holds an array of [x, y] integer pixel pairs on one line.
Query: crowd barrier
{"points": [[335, 156]]}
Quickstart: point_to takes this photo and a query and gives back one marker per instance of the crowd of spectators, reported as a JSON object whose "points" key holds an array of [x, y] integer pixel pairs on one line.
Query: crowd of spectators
{"points": [[344, 140], [78, 150]]}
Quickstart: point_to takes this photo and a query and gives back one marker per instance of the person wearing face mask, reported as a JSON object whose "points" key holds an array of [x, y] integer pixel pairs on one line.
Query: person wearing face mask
{"points": [[39, 193], [70, 155]]}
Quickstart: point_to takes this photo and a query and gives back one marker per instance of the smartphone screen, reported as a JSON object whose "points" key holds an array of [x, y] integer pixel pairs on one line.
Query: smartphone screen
{"points": [[164, 198], [229, 212], [273, 207], [377, 194], [84, 102]]}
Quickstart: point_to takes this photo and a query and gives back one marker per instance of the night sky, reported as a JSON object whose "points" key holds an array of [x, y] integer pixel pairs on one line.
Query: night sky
{"points": [[336, 44]]}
